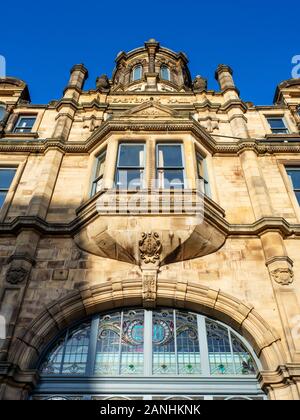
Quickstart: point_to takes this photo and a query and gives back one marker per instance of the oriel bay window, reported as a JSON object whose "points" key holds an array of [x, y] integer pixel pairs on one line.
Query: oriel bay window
{"points": [[6, 178], [294, 176], [130, 166], [99, 173], [170, 166]]}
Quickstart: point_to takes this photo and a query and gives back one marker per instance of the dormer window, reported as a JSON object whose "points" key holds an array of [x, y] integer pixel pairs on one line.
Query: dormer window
{"points": [[165, 73], [136, 73]]}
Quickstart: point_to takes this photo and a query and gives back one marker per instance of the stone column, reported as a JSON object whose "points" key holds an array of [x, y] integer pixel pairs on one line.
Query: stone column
{"points": [[233, 104], [68, 105]]}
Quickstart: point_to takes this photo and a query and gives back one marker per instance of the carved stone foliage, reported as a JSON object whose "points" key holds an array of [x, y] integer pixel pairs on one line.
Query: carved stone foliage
{"points": [[150, 247], [149, 287], [283, 276], [16, 275]]}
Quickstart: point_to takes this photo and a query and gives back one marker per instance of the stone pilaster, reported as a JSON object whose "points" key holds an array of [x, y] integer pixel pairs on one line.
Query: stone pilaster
{"points": [[256, 185], [20, 263], [280, 268]]}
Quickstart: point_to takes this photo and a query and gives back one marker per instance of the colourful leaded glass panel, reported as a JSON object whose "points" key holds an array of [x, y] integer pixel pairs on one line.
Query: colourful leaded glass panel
{"points": [[188, 351], [108, 345], [219, 350], [243, 361], [132, 352], [164, 356]]}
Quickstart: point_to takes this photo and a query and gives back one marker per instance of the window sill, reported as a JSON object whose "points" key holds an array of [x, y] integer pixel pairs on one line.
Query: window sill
{"points": [[10, 135]]}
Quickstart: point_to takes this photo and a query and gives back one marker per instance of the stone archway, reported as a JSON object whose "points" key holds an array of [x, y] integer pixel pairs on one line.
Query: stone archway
{"points": [[28, 347]]}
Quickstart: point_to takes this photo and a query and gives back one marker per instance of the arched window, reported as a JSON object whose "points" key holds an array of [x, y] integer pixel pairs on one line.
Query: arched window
{"points": [[136, 73], [2, 112], [136, 352], [165, 73]]}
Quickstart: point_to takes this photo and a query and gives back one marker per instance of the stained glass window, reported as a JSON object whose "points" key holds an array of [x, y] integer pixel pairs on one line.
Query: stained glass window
{"points": [[138, 342], [163, 332]]}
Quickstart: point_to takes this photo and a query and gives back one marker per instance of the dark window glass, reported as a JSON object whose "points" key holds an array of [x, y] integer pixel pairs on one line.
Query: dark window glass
{"points": [[130, 166], [294, 175], [165, 73], [24, 124], [2, 112], [6, 177], [277, 126], [170, 168], [136, 73]]}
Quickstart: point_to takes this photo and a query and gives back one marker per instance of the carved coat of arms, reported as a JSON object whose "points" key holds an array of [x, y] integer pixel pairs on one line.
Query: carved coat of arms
{"points": [[150, 247]]}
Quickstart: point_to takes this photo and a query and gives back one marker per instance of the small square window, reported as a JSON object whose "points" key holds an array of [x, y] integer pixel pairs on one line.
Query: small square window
{"points": [[24, 124], [277, 125]]}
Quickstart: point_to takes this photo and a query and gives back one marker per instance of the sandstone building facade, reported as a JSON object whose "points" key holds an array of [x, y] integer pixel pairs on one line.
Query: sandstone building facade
{"points": [[149, 237]]}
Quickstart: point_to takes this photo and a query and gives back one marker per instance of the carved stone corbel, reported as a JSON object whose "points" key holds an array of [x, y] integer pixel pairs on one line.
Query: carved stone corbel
{"points": [[150, 248], [281, 270]]}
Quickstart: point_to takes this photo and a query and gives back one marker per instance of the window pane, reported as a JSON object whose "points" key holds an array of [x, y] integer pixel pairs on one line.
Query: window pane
{"points": [[188, 351], [100, 166], [108, 345], [76, 350], [52, 365], [244, 363], [295, 177], [2, 198], [173, 179], [6, 177], [137, 73], [26, 122], [164, 357], [169, 156], [131, 155], [132, 352], [165, 73], [2, 112], [130, 179], [276, 123], [298, 196], [220, 356]]}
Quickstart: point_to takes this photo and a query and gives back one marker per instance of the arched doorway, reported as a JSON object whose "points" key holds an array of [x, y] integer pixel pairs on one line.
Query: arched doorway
{"points": [[156, 354]]}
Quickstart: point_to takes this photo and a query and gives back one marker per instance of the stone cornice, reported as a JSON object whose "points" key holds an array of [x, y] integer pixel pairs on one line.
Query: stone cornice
{"points": [[261, 147], [266, 224]]}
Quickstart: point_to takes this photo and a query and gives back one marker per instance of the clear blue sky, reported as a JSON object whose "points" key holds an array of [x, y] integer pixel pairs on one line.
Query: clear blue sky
{"points": [[42, 40]]}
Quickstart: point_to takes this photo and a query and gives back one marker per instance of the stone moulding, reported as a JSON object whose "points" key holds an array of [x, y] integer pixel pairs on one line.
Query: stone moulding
{"points": [[7, 144], [78, 304]]}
